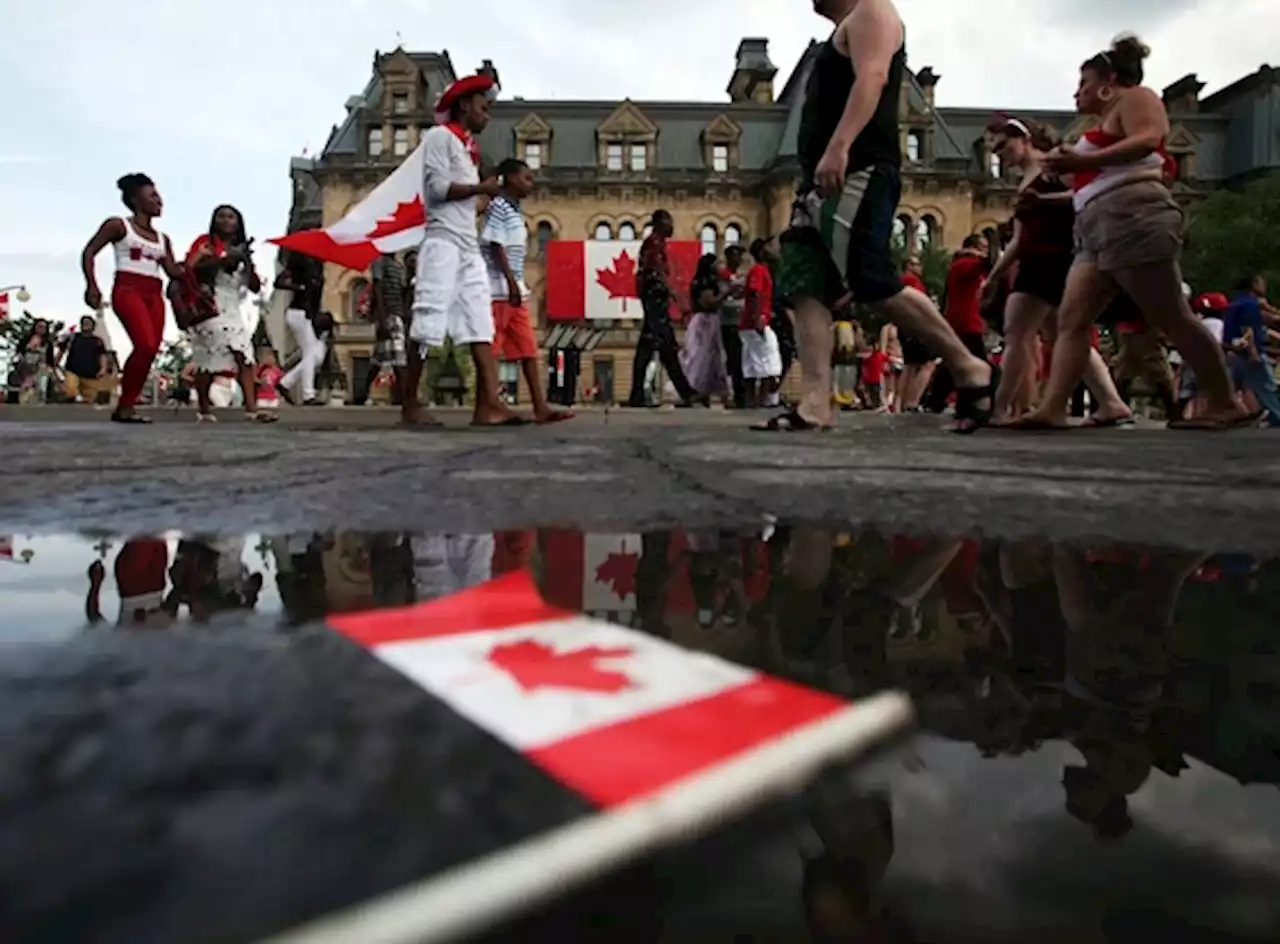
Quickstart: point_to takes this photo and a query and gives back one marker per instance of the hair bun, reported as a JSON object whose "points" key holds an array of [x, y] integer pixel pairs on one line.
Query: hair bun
{"points": [[1129, 44]]}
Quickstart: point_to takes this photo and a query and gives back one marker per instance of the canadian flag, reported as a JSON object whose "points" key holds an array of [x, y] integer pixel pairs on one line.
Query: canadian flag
{"points": [[392, 218], [6, 547], [596, 280], [661, 742], [4, 305], [591, 573]]}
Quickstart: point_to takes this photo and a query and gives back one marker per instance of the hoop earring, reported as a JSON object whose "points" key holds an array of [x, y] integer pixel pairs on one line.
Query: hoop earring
{"points": [[1106, 94]]}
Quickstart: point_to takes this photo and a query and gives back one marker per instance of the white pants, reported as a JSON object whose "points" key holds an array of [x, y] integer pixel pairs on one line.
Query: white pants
{"points": [[761, 356], [451, 295], [313, 352]]}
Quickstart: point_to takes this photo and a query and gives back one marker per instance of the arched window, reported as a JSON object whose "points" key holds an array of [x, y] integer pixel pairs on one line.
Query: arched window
{"points": [[732, 235], [358, 301], [627, 232], [915, 146], [710, 240], [926, 232], [544, 234], [648, 229], [901, 226], [604, 233]]}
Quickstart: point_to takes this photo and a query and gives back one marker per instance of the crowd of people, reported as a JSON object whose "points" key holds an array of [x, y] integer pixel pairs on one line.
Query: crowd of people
{"points": [[1095, 238]]}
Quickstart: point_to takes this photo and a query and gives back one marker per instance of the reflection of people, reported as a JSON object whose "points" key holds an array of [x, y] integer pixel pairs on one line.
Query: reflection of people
{"points": [[209, 576], [141, 578]]}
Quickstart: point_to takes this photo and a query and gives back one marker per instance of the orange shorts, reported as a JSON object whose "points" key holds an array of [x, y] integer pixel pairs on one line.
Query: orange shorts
{"points": [[513, 338]]}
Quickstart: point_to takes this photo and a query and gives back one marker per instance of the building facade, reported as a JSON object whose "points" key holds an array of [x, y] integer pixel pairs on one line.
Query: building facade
{"points": [[726, 170]]}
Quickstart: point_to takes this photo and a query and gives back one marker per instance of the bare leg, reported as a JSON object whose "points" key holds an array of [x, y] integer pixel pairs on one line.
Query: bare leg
{"points": [[918, 377], [912, 311], [1157, 290], [248, 386], [1023, 317], [203, 382], [1110, 405], [1087, 293], [490, 410], [815, 341]]}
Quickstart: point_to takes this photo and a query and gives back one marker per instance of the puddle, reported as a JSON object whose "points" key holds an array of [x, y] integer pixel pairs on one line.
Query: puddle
{"points": [[1100, 742]]}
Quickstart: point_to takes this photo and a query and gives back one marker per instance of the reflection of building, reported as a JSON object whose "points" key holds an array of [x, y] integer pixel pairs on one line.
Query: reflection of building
{"points": [[726, 169]]}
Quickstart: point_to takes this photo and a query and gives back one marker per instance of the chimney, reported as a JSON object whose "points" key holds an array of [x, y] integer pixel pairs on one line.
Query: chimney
{"points": [[1184, 95], [927, 79], [753, 73], [487, 68]]}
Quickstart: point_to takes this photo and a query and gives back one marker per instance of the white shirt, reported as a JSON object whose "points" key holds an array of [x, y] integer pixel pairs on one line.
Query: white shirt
{"points": [[140, 256], [446, 161], [1215, 326], [504, 225]]}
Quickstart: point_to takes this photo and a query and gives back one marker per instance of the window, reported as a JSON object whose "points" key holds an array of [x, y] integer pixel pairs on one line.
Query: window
{"points": [[639, 158], [627, 232], [603, 232], [732, 235], [358, 301], [545, 233], [400, 142], [915, 146], [400, 104], [926, 230], [533, 155], [613, 157], [995, 166], [900, 228], [604, 379], [375, 142], [710, 240], [720, 158], [648, 229]]}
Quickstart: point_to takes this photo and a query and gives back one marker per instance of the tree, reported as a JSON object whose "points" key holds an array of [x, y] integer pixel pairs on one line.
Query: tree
{"points": [[13, 330], [1233, 234], [173, 358]]}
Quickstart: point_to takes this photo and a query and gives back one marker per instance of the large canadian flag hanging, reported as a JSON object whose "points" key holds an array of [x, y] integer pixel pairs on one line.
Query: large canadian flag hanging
{"points": [[597, 280], [392, 218]]}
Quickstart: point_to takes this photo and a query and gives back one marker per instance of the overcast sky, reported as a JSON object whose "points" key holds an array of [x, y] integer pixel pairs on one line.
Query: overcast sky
{"points": [[211, 100]]}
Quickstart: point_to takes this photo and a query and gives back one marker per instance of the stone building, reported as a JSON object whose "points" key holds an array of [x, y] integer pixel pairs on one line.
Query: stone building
{"points": [[726, 169]]}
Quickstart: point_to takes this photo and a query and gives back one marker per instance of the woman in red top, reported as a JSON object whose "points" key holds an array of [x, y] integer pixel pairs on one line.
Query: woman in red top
{"points": [[1042, 249], [761, 356], [1128, 237]]}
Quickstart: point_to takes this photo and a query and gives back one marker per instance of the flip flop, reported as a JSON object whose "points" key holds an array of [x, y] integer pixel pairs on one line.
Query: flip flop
{"points": [[971, 415], [510, 421], [1032, 425], [558, 416], [133, 419], [1111, 422], [1246, 421], [791, 422]]}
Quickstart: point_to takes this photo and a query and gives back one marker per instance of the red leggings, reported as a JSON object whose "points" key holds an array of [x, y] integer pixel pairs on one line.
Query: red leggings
{"points": [[139, 303]]}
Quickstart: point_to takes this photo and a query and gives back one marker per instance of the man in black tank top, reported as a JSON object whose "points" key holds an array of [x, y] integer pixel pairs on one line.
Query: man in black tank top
{"points": [[838, 246]]}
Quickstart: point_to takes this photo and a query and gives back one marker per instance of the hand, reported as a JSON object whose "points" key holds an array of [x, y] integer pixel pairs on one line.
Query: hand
{"points": [[514, 296], [830, 172], [489, 188], [93, 297], [1064, 161], [990, 289]]}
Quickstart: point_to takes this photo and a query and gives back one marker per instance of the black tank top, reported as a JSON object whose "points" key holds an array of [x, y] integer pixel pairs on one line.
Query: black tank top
{"points": [[827, 94]]}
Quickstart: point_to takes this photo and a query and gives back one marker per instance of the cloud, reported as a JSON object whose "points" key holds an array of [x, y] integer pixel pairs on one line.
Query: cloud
{"points": [[212, 103]]}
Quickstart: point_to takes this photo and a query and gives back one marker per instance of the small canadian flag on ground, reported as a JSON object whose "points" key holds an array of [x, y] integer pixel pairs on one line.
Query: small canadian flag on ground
{"points": [[664, 743], [597, 280]]}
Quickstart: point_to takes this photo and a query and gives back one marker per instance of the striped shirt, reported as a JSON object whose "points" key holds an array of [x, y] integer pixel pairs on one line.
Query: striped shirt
{"points": [[504, 225]]}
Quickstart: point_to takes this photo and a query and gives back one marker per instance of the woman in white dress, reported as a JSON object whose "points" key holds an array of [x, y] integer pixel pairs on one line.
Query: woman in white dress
{"points": [[222, 343]]}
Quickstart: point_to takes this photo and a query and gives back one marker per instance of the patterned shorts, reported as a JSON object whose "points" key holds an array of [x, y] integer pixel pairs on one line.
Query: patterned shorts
{"points": [[390, 349]]}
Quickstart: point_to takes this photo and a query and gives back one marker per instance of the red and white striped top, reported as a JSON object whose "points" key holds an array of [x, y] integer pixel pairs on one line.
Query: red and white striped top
{"points": [[1091, 184]]}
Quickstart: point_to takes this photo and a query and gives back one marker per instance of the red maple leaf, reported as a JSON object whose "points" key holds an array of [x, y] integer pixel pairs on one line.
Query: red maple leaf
{"points": [[619, 570], [535, 665], [406, 216], [620, 279]]}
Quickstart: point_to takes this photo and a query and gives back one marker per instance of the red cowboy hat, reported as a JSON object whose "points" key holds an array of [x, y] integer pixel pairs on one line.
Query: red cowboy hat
{"points": [[471, 85], [1212, 301]]}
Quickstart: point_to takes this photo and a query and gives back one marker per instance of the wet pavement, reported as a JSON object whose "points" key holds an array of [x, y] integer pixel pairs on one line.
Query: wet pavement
{"points": [[191, 755]]}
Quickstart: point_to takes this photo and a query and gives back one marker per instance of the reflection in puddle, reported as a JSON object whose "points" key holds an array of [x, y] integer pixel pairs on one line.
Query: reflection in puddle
{"points": [[1134, 690]]}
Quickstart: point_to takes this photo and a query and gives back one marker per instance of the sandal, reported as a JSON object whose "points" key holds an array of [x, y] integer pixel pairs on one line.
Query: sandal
{"points": [[1111, 422], [206, 418], [1243, 421], [789, 422], [130, 419], [1033, 424], [556, 416], [262, 416], [971, 415]]}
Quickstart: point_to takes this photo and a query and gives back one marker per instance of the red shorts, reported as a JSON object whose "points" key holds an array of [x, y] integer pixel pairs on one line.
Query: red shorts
{"points": [[513, 338]]}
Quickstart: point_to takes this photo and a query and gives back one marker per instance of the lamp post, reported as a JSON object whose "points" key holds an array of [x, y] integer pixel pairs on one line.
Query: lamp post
{"points": [[23, 296]]}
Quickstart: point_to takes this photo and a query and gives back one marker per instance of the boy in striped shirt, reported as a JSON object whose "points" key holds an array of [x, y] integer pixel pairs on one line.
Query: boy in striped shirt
{"points": [[503, 242]]}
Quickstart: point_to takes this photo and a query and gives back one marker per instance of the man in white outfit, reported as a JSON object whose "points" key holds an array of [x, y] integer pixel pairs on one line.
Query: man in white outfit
{"points": [[301, 278], [452, 291]]}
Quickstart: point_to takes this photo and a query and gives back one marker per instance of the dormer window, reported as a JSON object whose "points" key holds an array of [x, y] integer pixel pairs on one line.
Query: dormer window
{"points": [[375, 142], [720, 158], [915, 147], [400, 142], [400, 104], [533, 154], [995, 166], [639, 158]]}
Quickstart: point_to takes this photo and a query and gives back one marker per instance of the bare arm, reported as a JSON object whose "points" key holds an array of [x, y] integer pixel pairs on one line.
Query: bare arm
{"points": [[1009, 256], [168, 263], [111, 231], [1145, 124], [872, 35]]}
